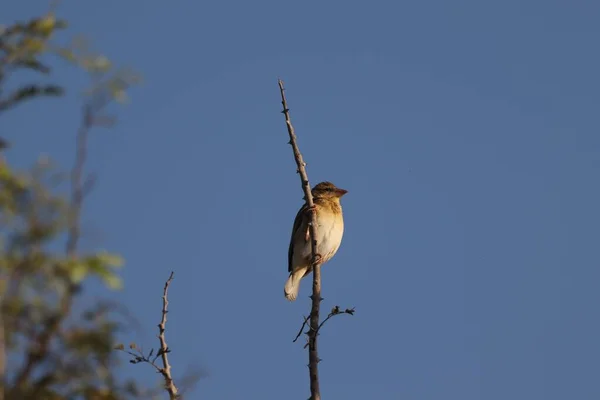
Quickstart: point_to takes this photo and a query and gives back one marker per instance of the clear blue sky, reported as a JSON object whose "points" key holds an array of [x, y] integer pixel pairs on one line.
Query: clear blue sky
{"points": [[466, 132]]}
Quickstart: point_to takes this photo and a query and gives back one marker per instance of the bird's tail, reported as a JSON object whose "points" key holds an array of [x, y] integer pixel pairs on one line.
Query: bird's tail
{"points": [[292, 285]]}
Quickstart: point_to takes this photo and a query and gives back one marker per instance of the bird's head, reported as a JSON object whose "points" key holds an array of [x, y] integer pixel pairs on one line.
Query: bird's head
{"points": [[327, 190]]}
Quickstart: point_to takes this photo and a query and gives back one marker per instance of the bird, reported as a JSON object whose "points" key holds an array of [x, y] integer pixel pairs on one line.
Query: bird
{"points": [[330, 229]]}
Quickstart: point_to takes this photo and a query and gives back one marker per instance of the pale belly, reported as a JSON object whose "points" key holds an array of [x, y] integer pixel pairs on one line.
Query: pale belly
{"points": [[329, 238]]}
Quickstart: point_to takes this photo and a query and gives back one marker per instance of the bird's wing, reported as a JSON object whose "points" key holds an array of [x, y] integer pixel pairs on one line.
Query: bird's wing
{"points": [[298, 224]]}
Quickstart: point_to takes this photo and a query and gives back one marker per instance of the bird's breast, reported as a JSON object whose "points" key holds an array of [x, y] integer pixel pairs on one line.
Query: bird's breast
{"points": [[330, 230]]}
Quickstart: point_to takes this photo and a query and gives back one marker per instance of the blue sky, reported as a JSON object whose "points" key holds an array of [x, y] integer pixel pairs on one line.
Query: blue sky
{"points": [[466, 133]]}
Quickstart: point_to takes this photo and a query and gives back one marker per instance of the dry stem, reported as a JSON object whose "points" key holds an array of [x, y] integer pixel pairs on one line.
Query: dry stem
{"points": [[164, 349], [313, 355], [139, 356]]}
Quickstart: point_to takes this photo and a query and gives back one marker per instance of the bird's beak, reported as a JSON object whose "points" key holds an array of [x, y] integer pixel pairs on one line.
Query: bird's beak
{"points": [[340, 192]]}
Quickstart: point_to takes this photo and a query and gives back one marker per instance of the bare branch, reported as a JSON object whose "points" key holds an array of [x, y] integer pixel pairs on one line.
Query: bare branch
{"points": [[313, 355], [164, 349], [77, 181], [139, 356], [335, 311], [306, 319]]}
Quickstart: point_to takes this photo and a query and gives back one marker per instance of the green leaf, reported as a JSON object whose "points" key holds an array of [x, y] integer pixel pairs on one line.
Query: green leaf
{"points": [[78, 272], [113, 282], [113, 260], [103, 265]]}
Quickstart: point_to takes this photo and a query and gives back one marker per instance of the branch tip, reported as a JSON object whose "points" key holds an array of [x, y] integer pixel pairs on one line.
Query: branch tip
{"points": [[316, 284]]}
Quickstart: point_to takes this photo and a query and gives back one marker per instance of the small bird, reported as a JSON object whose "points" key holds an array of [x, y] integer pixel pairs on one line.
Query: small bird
{"points": [[330, 229]]}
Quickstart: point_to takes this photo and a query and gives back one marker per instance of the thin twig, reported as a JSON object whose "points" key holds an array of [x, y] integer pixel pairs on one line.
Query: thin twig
{"points": [[165, 371], [336, 311], [306, 319], [77, 182], [313, 354], [140, 357]]}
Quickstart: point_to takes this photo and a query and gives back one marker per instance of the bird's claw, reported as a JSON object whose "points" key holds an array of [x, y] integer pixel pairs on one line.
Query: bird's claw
{"points": [[310, 209], [317, 259]]}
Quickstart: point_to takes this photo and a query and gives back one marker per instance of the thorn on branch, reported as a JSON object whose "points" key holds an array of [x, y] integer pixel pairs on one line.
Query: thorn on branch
{"points": [[312, 297]]}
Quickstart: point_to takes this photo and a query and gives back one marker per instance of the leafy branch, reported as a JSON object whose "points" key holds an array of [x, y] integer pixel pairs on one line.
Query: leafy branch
{"points": [[53, 353]]}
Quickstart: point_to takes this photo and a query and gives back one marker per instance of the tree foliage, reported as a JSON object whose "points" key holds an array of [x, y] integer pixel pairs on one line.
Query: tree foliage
{"points": [[51, 345]]}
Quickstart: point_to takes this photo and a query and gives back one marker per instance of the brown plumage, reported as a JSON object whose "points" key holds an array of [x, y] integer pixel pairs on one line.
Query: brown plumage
{"points": [[330, 229]]}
